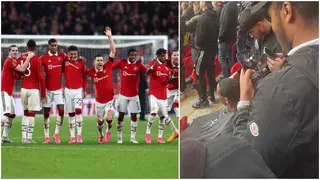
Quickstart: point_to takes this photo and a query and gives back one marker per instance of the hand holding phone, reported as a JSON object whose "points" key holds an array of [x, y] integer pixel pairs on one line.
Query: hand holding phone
{"points": [[269, 53]]}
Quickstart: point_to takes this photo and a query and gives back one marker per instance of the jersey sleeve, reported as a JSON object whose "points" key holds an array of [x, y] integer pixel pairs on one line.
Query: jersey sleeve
{"points": [[116, 65], [111, 59], [84, 76], [143, 68], [41, 79]]}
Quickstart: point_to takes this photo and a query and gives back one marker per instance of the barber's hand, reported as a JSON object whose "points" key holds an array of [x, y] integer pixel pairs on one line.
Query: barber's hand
{"points": [[275, 64], [246, 86]]}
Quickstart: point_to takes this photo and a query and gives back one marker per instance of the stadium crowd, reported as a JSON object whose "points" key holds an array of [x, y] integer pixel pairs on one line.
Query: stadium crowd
{"points": [[268, 56], [89, 18]]}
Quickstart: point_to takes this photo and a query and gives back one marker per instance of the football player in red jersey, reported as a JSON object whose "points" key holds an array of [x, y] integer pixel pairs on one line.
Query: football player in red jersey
{"points": [[130, 70], [74, 69], [8, 78], [30, 91], [101, 73], [158, 96], [173, 88], [52, 63]]}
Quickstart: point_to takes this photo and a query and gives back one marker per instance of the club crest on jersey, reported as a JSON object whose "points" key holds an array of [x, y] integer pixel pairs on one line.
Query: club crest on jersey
{"points": [[49, 60], [95, 74], [104, 71], [254, 129], [126, 67], [135, 69], [59, 58]]}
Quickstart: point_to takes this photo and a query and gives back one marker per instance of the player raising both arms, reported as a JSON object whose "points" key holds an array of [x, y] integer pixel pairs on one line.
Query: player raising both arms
{"points": [[8, 79], [74, 69], [130, 70], [173, 88], [158, 96], [52, 62], [102, 76], [30, 94]]}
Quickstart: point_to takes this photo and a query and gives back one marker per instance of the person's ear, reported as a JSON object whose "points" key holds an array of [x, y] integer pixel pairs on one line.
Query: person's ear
{"points": [[287, 12]]}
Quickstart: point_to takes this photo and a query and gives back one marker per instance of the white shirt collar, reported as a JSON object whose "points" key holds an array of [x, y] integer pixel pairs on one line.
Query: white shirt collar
{"points": [[309, 43], [56, 54], [159, 61], [130, 62]]}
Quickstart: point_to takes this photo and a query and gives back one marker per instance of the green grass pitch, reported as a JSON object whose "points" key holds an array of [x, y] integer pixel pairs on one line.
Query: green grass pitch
{"points": [[90, 159]]}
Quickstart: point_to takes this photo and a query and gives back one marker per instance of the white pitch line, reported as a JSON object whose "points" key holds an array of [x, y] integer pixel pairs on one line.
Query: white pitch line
{"points": [[91, 149]]}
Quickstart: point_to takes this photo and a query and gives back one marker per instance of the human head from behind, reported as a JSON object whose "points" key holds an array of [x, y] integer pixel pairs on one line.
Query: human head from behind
{"points": [[205, 5], [73, 52], [175, 57], [13, 51], [98, 62], [255, 24], [294, 23], [53, 46], [132, 55], [228, 90], [196, 7], [31, 45], [162, 55]]}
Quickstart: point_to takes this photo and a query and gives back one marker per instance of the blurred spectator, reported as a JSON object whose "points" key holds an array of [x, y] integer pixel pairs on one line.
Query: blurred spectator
{"points": [[227, 36], [89, 18]]}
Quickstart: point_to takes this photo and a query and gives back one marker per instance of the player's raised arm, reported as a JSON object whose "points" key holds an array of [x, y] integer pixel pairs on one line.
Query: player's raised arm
{"points": [[24, 66], [112, 45]]}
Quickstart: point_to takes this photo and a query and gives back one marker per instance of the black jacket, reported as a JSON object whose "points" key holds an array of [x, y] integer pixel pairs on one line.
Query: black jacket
{"points": [[213, 125], [207, 31], [218, 10], [228, 22], [284, 121], [191, 26]]}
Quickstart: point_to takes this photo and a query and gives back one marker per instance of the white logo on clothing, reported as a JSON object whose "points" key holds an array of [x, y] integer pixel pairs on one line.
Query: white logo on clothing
{"points": [[67, 64], [99, 79], [254, 129], [161, 74], [53, 66], [125, 73]]}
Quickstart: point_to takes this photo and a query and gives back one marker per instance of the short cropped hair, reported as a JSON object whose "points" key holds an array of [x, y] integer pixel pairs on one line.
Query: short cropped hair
{"points": [[31, 44], [230, 88]]}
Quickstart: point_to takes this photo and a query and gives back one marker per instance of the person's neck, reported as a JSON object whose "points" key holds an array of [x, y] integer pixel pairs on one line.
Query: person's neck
{"points": [[304, 35], [205, 8]]}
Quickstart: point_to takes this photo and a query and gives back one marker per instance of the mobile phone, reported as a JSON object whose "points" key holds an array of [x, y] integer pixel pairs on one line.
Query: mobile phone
{"points": [[269, 53]]}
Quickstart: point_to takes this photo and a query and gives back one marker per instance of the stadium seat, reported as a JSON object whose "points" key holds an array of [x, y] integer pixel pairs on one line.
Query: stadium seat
{"points": [[183, 123]]}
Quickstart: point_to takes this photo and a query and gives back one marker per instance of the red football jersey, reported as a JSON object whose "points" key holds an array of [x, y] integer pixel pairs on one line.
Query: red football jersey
{"points": [[159, 80], [75, 73], [52, 64], [8, 76], [33, 76], [129, 76], [102, 82]]}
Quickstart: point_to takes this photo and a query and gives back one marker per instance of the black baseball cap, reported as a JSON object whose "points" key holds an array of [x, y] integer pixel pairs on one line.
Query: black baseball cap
{"points": [[252, 14], [222, 157]]}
